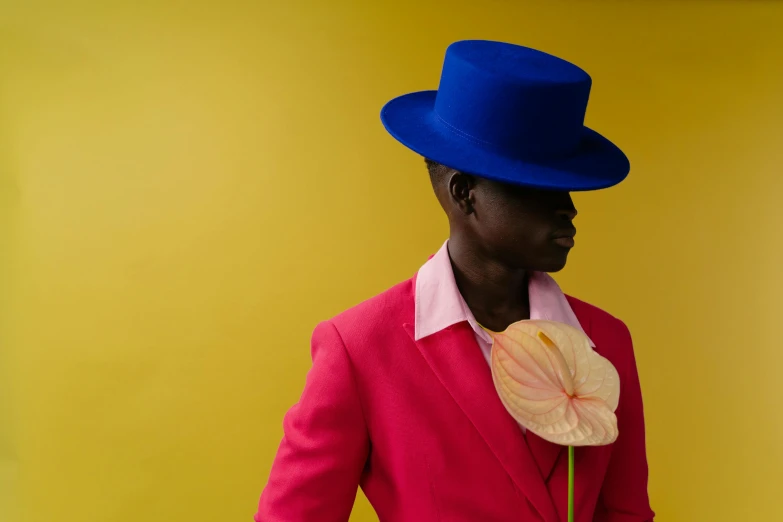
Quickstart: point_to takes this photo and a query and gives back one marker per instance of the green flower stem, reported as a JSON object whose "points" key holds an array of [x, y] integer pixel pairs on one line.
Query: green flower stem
{"points": [[570, 484]]}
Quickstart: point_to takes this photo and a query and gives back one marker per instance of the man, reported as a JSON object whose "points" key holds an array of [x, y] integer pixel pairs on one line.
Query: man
{"points": [[400, 398]]}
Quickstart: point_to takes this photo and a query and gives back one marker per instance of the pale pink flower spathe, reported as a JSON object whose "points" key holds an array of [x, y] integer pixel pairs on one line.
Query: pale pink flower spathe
{"points": [[554, 384]]}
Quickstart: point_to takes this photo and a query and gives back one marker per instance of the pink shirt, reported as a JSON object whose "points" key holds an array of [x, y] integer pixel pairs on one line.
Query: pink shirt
{"points": [[440, 305]]}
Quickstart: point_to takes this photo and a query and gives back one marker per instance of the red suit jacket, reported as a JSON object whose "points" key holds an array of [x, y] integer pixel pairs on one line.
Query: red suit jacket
{"points": [[419, 425]]}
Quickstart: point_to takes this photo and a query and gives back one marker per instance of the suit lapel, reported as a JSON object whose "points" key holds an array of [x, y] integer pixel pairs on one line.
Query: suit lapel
{"points": [[455, 358], [545, 453]]}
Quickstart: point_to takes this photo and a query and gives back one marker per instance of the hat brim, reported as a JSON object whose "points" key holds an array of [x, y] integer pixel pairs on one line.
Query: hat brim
{"points": [[411, 120]]}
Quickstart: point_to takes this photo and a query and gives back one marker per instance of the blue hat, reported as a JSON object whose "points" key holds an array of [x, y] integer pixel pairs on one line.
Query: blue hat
{"points": [[510, 114]]}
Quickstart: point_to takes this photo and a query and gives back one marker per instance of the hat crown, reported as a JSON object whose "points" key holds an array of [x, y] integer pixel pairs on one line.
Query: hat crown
{"points": [[513, 99]]}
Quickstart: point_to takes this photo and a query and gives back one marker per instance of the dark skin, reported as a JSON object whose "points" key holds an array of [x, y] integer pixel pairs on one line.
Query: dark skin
{"points": [[499, 234]]}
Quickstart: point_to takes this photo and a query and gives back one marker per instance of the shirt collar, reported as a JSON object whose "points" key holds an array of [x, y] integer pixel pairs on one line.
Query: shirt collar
{"points": [[440, 305]]}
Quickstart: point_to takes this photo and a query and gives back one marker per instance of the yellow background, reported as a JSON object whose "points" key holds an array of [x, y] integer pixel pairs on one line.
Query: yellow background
{"points": [[186, 188]]}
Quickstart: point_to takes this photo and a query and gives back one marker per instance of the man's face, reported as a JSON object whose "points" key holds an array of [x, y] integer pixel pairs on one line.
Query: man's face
{"points": [[523, 227]]}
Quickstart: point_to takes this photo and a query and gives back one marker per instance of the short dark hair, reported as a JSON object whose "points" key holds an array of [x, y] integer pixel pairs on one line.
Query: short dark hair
{"points": [[437, 170]]}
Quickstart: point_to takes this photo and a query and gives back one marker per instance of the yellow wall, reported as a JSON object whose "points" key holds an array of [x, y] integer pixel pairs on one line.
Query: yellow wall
{"points": [[186, 188]]}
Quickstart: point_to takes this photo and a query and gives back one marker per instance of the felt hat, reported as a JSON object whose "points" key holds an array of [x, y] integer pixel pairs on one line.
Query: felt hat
{"points": [[511, 114]]}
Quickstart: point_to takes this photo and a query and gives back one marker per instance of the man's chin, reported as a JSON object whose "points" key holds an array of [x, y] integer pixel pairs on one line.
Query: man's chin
{"points": [[553, 266]]}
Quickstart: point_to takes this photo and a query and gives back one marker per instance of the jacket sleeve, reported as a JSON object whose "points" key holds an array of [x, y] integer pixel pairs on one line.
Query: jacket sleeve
{"points": [[624, 495], [325, 446]]}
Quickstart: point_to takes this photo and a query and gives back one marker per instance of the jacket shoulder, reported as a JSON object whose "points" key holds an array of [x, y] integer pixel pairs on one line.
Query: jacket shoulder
{"points": [[377, 315], [609, 333]]}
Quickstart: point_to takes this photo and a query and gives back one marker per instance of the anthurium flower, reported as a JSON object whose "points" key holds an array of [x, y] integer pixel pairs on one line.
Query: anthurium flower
{"points": [[554, 384]]}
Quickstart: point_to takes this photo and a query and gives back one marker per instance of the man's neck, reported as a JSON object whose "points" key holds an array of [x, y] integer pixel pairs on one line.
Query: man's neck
{"points": [[496, 294]]}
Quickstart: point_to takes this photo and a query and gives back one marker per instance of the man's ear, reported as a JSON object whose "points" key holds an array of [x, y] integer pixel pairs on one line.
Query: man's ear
{"points": [[461, 191]]}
